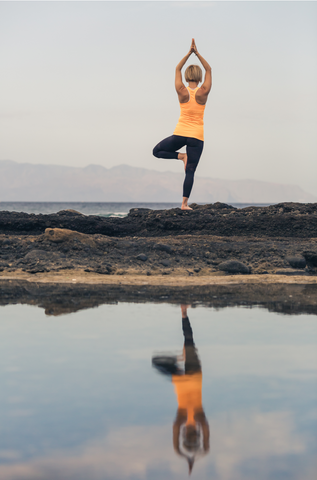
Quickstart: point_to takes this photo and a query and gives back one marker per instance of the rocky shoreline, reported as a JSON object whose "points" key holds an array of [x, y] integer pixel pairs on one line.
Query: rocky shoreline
{"points": [[296, 220], [211, 240]]}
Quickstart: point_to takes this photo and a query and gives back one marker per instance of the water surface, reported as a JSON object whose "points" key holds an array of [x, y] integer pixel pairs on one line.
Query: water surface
{"points": [[88, 396]]}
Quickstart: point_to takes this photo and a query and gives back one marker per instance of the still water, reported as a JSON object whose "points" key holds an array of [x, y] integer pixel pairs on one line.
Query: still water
{"points": [[152, 391]]}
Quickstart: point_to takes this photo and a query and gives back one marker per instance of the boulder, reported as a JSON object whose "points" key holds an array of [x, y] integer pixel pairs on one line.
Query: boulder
{"points": [[102, 270], [69, 211], [59, 235], [162, 247], [142, 257], [311, 258], [233, 266], [37, 254], [165, 263], [296, 262]]}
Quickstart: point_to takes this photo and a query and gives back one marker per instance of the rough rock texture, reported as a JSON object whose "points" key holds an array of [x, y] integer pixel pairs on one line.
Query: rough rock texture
{"points": [[209, 240], [282, 220], [297, 262], [178, 255], [58, 299], [233, 266]]}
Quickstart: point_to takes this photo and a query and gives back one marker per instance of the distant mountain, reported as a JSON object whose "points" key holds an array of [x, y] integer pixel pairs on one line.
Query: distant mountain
{"points": [[48, 183]]}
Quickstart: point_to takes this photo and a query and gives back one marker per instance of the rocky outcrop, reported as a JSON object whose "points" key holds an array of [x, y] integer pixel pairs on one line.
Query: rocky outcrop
{"points": [[287, 220], [209, 239], [200, 255]]}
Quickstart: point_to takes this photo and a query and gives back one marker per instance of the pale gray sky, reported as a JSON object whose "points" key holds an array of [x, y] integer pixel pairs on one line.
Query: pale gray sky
{"points": [[93, 82]]}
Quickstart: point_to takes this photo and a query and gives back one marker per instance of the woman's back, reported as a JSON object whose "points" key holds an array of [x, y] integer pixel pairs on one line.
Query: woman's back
{"points": [[191, 120]]}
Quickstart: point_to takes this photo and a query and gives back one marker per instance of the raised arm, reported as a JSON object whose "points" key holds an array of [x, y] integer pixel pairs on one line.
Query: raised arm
{"points": [[204, 90], [181, 90], [179, 421]]}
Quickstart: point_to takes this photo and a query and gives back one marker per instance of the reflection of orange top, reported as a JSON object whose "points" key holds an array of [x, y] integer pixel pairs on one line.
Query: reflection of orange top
{"points": [[191, 120], [188, 390]]}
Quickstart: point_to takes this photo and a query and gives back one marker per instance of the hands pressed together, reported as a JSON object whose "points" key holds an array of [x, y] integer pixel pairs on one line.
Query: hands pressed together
{"points": [[193, 48]]}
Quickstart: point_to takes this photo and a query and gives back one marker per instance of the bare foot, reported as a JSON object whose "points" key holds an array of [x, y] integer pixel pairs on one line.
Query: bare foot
{"points": [[183, 157], [185, 207], [184, 310]]}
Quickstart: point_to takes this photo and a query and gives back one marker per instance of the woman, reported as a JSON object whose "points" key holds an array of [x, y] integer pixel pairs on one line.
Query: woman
{"points": [[190, 429], [190, 128]]}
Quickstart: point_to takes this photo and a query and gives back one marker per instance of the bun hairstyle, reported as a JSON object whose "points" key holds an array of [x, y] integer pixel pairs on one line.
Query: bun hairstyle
{"points": [[193, 73]]}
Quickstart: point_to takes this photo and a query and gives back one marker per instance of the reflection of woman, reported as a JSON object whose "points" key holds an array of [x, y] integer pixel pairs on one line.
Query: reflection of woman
{"points": [[190, 128], [190, 429]]}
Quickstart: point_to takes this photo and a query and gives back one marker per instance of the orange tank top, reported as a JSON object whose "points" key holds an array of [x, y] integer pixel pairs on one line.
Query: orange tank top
{"points": [[188, 390], [191, 120]]}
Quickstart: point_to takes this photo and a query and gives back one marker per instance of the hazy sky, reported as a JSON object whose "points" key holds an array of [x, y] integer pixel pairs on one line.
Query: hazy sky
{"points": [[93, 82]]}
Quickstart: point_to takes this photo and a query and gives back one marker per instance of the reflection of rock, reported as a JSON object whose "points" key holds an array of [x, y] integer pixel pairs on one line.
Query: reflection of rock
{"points": [[59, 299]]}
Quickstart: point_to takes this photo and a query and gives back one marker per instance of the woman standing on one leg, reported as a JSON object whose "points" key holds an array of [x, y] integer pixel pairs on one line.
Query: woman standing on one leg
{"points": [[190, 429], [190, 128]]}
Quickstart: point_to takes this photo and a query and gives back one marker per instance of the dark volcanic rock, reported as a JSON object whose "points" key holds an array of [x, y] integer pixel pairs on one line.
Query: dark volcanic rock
{"points": [[311, 258], [37, 254], [162, 247], [70, 249], [165, 263], [289, 271], [69, 211], [297, 262], [281, 220], [142, 257], [103, 270], [35, 270], [4, 265], [233, 266], [58, 248]]}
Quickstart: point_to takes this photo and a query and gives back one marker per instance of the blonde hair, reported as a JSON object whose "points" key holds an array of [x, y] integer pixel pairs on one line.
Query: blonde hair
{"points": [[193, 73]]}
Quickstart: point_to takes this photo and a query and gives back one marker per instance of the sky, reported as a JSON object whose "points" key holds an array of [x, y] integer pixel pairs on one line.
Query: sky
{"points": [[93, 83]]}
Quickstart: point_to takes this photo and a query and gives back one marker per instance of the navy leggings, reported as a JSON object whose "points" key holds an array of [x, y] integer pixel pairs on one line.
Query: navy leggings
{"points": [[168, 147]]}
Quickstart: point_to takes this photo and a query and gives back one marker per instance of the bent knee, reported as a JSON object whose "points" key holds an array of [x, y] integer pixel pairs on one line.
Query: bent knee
{"points": [[156, 152]]}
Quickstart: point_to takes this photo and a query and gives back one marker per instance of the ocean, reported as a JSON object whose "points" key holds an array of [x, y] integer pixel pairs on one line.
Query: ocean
{"points": [[104, 209]]}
